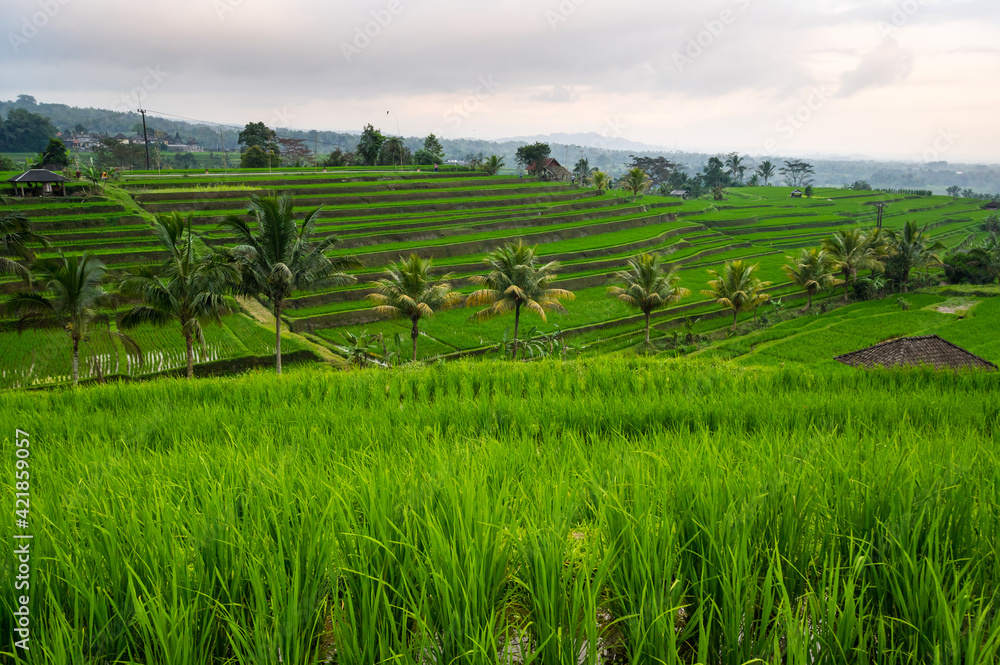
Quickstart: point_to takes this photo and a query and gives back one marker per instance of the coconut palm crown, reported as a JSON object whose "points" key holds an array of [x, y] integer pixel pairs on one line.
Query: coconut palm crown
{"points": [[72, 298], [189, 287], [736, 288], [812, 270], [515, 283], [277, 256], [410, 292], [649, 285]]}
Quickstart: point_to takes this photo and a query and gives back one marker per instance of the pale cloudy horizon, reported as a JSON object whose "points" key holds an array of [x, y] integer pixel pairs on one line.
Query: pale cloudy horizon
{"points": [[907, 80]]}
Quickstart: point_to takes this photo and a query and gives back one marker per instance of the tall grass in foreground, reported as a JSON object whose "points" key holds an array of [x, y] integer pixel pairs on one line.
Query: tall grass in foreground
{"points": [[615, 511]]}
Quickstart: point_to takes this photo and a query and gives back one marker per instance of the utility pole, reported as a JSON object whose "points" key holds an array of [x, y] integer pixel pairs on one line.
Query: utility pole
{"points": [[400, 140], [145, 139], [880, 206]]}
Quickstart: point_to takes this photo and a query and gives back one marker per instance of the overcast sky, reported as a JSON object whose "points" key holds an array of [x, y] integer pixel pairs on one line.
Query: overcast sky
{"points": [[906, 79]]}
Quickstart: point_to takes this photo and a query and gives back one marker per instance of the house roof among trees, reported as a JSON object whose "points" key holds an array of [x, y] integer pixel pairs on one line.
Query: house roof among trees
{"points": [[552, 166], [680, 192], [38, 175], [992, 205], [915, 351]]}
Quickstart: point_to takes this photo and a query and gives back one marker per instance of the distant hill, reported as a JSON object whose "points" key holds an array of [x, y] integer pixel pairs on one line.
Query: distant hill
{"points": [[606, 153], [588, 139]]}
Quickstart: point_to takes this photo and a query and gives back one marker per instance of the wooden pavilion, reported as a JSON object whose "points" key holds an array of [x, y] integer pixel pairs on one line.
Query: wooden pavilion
{"points": [[39, 182]]}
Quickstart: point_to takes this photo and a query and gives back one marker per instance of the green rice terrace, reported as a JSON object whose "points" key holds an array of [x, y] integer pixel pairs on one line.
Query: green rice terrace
{"points": [[454, 218], [715, 497]]}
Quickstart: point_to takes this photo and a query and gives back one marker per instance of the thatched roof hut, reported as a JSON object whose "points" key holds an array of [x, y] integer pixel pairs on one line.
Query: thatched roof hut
{"points": [[550, 170], [39, 180], [916, 351]]}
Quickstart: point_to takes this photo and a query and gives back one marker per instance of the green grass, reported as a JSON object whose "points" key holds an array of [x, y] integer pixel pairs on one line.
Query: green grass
{"points": [[681, 510]]}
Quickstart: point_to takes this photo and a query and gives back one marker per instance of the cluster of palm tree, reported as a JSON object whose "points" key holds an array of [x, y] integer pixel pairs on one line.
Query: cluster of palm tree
{"points": [[886, 253], [273, 257]]}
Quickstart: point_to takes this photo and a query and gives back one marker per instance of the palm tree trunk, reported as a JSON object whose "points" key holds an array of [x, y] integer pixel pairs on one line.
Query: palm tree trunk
{"points": [[76, 360], [735, 314], [517, 320], [414, 333], [190, 355], [809, 299], [647, 328], [277, 336]]}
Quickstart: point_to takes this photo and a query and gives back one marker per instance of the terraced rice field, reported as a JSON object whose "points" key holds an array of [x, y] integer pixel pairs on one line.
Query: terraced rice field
{"points": [[456, 217]]}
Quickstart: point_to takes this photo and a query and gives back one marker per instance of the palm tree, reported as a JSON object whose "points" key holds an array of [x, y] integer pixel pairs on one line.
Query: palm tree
{"points": [[601, 180], [649, 285], [276, 258], [910, 249], [766, 170], [409, 292], [734, 166], [493, 165], [850, 251], [76, 297], [636, 181], [15, 235], [812, 270], [188, 288], [583, 170], [737, 288], [515, 282]]}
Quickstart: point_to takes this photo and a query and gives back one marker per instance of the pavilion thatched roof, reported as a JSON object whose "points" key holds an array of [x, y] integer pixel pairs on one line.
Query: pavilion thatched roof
{"points": [[915, 351]]}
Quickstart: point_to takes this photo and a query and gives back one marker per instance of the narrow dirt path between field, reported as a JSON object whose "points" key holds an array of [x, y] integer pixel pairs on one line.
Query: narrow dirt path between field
{"points": [[263, 316]]}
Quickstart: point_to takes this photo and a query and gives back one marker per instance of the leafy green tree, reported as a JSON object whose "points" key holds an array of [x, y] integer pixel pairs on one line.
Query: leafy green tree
{"points": [[55, 154], [529, 154], [850, 250], [260, 135], [255, 158], [659, 169], [15, 235], [434, 148], [370, 145], [493, 165], [910, 249], [954, 190], [713, 174], [812, 270], [808, 191], [72, 299], [188, 288], [797, 172], [601, 181], [649, 285], [737, 288], [24, 131], [411, 293], [636, 181], [276, 257], [515, 282]]}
